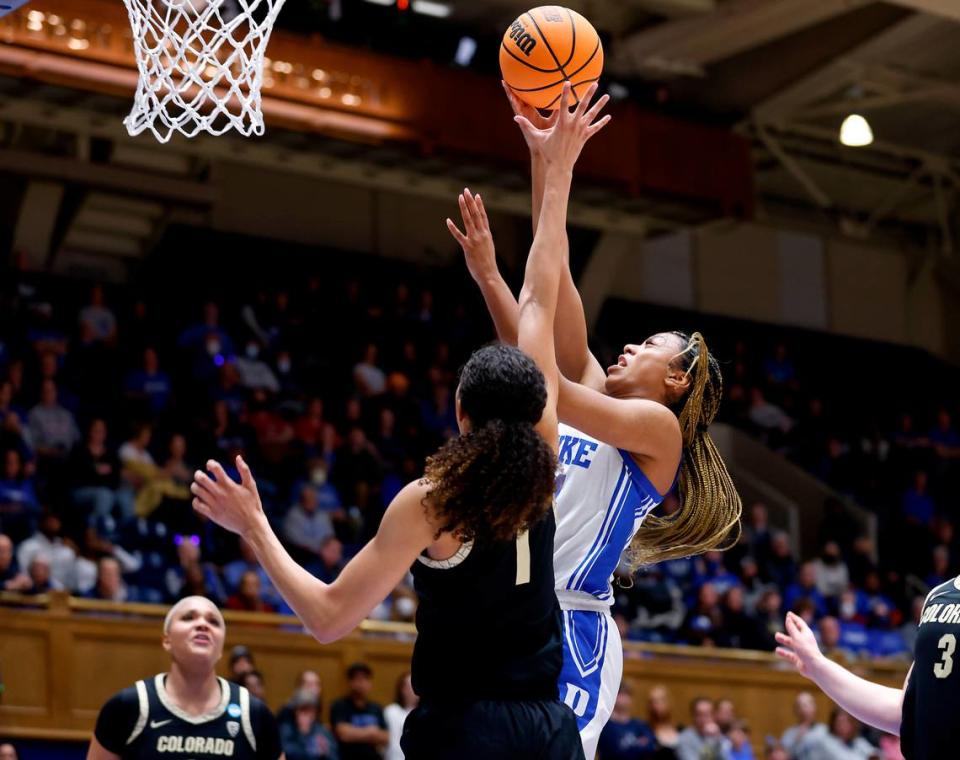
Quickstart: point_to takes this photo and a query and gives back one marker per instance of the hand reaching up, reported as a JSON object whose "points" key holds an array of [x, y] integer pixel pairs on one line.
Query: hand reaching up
{"points": [[560, 143], [476, 240], [231, 505], [798, 645]]}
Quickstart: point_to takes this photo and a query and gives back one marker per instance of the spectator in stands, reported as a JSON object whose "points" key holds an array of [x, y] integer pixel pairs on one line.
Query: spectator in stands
{"points": [[831, 573], [252, 680], [149, 388], [757, 532], [254, 373], [330, 561], [309, 681], [8, 751], [304, 736], [207, 336], [358, 723], [19, 507], [191, 576], [53, 429], [660, 717], [41, 580], [314, 431], [306, 526], [396, 713], [806, 588], [739, 736], [768, 417], [11, 577], [439, 414], [234, 572], [94, 473], [99, 318], [704, 623], [780, 568], [368, 378], [776, 752], [59, 556], [752, 584], [944, 436], [249, 597], [770, 611], [779, 369], [829, 637], [842, 742], [861, 562], [739, 630], [626, 737], [241, 661], [940, 565], [702, 739], [725, 714], [875, 605], [110, 586], [918, 506], [805, 709]]}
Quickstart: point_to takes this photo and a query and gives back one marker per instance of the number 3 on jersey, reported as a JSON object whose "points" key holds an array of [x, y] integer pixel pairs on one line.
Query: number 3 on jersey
{"points": [[949, 645]]}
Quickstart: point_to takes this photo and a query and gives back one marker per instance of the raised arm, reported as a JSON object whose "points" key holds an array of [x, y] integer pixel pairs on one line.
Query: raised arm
{"points": [[876, 705], [328, 611], [574, 358]]}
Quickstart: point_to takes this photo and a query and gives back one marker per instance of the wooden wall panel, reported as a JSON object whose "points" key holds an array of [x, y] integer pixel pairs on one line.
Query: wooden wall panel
{"points": [[59, 667]]}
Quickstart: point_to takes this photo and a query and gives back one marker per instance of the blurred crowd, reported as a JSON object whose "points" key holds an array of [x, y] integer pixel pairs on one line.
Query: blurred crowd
{"points": [[334, 392]]}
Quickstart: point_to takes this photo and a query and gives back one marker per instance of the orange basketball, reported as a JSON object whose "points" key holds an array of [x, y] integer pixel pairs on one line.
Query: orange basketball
{"points": [[545, 47]]}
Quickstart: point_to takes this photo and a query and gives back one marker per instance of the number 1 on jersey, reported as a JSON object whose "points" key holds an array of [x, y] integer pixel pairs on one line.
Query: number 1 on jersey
{"points": [[948, 643], [523, 558]]}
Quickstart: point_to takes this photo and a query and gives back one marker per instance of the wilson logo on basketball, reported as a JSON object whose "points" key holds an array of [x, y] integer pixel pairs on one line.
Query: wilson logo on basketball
{"points": [[522, 38]]}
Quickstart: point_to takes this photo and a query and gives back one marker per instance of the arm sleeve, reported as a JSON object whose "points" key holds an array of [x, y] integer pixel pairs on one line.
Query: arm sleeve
{"points": [[266, 730], [117, 719], [382, 718], [339, 713]]}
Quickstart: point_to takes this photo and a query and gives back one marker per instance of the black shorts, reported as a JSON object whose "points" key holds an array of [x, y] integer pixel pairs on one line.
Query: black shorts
{"points": [[485, 730]]}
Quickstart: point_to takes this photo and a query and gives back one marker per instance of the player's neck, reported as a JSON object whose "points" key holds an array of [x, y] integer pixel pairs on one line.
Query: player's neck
{"points": [[194, 692]]}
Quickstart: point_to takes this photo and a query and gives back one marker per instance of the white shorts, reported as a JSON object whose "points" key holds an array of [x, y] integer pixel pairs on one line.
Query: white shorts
{"points": [[592, 670]]}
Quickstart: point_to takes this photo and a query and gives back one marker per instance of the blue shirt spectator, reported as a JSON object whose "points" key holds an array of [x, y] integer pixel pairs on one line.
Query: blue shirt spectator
{"points": [[625, 737], [150, 383]]}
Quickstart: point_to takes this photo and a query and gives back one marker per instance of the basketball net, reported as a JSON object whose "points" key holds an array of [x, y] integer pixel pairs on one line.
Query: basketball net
{"points": [[201, 65]]}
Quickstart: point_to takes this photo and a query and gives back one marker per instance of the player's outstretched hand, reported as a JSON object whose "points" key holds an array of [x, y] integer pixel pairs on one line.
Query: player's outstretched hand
{"points": [[561, 143], [798, 645], [532, 115], [231, 505], [476, 240]]}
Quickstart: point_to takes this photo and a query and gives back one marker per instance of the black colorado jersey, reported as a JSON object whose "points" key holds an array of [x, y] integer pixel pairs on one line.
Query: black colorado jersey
{"points": [[488, 624], [931, 704], [142, 723]]}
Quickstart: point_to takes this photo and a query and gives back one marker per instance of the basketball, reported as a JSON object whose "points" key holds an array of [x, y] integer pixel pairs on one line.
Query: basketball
{"points": [[545, 47]]}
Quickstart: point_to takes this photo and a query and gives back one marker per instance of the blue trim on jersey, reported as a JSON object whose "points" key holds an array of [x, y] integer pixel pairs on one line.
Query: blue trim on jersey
{"points": [[584, 644], [597, 578], [613, 510], [641, 480]]}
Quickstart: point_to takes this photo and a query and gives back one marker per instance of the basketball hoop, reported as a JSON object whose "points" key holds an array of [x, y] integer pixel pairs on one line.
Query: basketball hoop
{"points": [[201, 65]]}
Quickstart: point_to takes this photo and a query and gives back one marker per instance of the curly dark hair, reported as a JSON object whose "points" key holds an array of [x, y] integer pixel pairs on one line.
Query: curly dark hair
{"points": [[496, 480]]}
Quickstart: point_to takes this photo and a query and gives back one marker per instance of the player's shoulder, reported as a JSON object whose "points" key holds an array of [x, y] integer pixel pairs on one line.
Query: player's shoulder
{"points": [[950, 587], [126, 698]]}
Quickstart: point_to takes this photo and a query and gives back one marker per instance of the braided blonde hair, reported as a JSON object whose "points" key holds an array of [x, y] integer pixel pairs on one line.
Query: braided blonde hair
{"points": [[710, 507]]}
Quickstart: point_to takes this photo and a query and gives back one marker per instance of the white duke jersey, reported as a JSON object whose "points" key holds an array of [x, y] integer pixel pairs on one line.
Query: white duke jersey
{"points": [[602, 497]]}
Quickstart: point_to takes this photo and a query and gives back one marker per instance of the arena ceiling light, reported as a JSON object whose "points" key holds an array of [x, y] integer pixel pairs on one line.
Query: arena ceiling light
{"points": [[855, 132], [431, 8]]}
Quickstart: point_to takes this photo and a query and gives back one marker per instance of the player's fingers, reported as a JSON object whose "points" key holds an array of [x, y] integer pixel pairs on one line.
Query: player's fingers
{"points": [[789, 656], [595, 110], [565, 100], [472, 208], [465, 214], [201, 507], [246, 476], [782, 638], [526, 127], [594, 128], [584, 102], [482, 210], [511, 97], [223, 481], [203, 483], [457, 235]]}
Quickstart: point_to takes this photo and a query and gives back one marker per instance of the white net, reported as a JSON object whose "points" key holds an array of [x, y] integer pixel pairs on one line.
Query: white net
{"points": [[201, 65]]}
